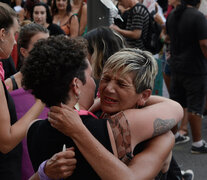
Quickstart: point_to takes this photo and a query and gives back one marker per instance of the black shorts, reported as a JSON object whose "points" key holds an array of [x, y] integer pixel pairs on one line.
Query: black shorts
{"points": [[189, 91]]}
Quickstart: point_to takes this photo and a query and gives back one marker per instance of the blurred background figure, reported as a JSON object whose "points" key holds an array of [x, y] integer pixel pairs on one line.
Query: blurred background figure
{"points": [[79, 7], [63, 17], [40, 14]]}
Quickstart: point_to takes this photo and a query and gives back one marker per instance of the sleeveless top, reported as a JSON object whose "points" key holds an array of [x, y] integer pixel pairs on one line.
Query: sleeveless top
{"points": [[19, 95], [14, 83], [121, 131], [66, 26], [44, 141], [10, 163]]}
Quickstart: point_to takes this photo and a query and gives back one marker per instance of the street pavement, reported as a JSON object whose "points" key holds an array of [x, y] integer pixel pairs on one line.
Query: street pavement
{"points": [[183, 156], [196, 162]]}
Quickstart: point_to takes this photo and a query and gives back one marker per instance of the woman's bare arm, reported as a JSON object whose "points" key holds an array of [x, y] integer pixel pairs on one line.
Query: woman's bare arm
{"points": [[11, 135], [83, 19], [157, 117], [74, 27], [105, 163]]}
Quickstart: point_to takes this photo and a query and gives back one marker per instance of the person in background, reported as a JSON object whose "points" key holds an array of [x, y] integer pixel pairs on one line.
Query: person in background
{"points": [[63, 17], [40, 14], [102, 43], [79, 7], [137, 24], [11, 131], [23, 100], [25, 13], [202, 8], [188, 65]]}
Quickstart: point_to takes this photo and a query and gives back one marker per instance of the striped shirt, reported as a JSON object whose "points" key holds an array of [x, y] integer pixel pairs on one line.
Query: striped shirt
{"points": [[138, 18]]}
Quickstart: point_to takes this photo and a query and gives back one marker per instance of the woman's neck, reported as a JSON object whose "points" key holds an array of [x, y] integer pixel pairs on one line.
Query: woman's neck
{"points": [[18, 79], [46, 25], [76, 2], [62, 13]]}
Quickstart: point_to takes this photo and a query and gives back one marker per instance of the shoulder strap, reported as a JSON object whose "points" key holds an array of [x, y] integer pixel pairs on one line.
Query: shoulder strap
{"points": [[70, 19], [14, 83]]}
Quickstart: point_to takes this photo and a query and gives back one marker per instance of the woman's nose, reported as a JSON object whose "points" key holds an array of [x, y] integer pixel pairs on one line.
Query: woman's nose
{"points": [[110, 87]]}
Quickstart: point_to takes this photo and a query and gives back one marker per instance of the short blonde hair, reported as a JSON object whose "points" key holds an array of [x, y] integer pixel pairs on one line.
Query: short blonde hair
{"points": [[141, 63]]}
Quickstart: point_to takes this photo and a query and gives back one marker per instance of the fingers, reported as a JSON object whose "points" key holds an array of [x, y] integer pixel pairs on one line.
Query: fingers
{"points": [[66, 107], [69, 153], [55, 109], [66, 171]]}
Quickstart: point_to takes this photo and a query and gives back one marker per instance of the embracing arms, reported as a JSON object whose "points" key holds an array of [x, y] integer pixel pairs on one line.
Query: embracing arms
{"points": [[158, 116], [104, 163]]}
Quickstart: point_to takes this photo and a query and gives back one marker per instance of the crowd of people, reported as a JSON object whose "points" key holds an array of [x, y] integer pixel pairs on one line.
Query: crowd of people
{"points": [[78, 104]]}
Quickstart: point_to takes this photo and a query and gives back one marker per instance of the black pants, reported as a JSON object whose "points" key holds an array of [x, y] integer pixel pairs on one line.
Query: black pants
{"points": [[174, 172]]}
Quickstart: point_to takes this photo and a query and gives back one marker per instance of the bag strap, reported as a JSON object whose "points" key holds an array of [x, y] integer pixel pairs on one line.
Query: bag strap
{"points": [[14, 83], [70, 19]]}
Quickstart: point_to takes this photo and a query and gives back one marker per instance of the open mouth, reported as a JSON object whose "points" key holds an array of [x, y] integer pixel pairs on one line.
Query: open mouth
{"points": [[109, 100]]}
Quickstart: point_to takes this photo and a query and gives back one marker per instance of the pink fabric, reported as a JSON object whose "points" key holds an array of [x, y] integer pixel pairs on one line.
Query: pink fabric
{"points": [[1, 71], [23, 101], [85, 113]]}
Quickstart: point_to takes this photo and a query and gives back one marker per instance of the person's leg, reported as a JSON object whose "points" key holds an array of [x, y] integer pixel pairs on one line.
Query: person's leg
{"points": [[177, 93], [195, 124], [166, 76], [195, 87], [183, 129], [205, 111]]}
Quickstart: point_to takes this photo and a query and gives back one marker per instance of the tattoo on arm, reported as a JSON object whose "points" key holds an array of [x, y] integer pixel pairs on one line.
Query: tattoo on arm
{"points": [[162, 126]]}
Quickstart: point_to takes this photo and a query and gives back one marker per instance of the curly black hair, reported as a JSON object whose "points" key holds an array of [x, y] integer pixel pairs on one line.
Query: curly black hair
{"points": [[52, 65]]}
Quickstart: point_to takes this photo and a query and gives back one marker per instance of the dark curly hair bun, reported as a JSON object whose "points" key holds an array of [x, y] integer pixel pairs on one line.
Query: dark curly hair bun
{"points": [[52, 65]]}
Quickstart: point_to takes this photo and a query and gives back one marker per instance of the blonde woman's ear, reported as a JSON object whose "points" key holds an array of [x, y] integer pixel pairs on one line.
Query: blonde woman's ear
{"points": [[144, 97]]}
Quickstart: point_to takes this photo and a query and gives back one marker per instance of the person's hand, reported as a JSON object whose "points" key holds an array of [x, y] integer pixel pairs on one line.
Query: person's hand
{"points": [[96, 105], [65, 119], [61, 165], [159, 20]]}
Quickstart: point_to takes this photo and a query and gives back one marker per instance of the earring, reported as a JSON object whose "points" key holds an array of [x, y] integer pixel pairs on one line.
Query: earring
{"points": [[77, 107], [77, 96]]}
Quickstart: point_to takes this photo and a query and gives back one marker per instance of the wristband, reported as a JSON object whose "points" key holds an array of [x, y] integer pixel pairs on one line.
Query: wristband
{"points": [[41, 172]]}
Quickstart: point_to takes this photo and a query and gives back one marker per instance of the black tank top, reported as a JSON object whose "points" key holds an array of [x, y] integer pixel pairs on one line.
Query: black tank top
{"points": [[44, 141], [10, 163]]}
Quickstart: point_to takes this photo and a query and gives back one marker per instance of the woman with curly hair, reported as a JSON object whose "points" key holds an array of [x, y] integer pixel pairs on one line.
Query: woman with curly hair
{"points": [[12, 131], [72, 82]]}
